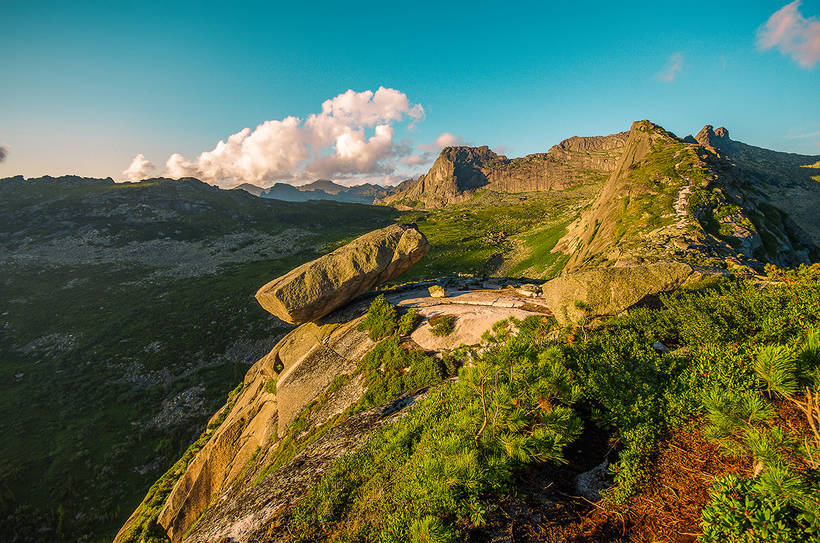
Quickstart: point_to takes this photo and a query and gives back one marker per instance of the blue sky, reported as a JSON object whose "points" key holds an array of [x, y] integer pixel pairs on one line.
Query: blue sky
{"points": [[89, 85]]}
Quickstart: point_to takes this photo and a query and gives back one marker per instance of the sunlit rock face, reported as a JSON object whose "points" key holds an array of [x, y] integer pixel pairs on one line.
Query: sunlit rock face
{"points": [[317, 288]]}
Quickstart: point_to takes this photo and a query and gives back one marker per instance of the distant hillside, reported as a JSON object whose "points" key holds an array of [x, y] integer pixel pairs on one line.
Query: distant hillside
{"points": [[325, 185], [248, 187], [460, 171], [707, 200], [126, 315], [324, 189], [710, 201]]}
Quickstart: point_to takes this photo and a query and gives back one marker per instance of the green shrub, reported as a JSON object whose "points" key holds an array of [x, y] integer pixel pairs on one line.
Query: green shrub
{"points": [[431, 530], [381, 319], [740, 511], [442, 325], [783, 502], [391, 370], [439, 469], [776, 365], [270, 386], [458, 452], [408, 322]]}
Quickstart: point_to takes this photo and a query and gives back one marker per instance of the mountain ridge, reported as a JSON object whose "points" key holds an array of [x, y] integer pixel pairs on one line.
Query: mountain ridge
{"points": [[325, 189], [459, 171]]}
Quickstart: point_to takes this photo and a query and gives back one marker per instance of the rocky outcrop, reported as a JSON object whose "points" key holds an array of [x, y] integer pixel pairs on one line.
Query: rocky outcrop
{"points": [[300, 366], [317, 288], [249, 514], [460, 171], [457, 173], [309, 359], [715, 139], [611, 229], [608, 291], [324, 352], [226, 489], [787, 181]]}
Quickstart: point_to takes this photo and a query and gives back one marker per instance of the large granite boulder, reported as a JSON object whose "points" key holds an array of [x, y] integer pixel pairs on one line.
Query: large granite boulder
{"points": [[608, 291], [316, 288]]}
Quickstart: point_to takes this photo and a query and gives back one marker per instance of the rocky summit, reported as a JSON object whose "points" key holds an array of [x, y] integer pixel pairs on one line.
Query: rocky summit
{"points": [[460, 171], [316, 288]]}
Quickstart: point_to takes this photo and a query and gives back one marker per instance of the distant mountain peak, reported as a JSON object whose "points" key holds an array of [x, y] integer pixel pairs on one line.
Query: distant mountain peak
{"points": [[249, 187], [324, 184], [716, 139], [459, 171], [325, 189]]}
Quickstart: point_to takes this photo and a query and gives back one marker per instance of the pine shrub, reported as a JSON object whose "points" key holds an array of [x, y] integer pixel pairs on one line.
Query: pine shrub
{"points": [[381, 319], [442, 325]]}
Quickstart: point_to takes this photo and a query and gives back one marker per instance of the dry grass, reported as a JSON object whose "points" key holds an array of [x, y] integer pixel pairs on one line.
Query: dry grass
{"points": [[666, 509]]}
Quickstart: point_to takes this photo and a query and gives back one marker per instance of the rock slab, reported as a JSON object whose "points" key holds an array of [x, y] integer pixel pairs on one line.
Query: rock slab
{"points": [[316, 288], [608, 291]]}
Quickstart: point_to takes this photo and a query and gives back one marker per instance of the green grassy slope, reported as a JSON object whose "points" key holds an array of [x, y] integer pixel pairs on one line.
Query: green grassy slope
{"points": [[498, 234]]}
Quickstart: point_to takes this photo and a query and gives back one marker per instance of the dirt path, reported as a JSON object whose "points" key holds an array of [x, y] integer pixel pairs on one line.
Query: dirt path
{"points": [[682, 200]]}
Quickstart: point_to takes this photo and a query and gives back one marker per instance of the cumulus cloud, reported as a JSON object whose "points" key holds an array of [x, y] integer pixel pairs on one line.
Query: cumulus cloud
{"points": [[792, 34], [3, 154], [671, 69], [416, 160], [429, 151], [353, 135], [444, 140], [140, 168]]}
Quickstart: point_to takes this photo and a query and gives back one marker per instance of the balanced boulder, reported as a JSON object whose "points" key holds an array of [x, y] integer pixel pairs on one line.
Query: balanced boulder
{"points": [[316, 288]]}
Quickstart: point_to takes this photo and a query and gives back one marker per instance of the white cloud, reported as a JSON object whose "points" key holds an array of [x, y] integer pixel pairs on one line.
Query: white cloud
{"points": [[416, 160], [792, 34], [140, 168], [430, 151], [670, 71], [352, 136], [445, 139], [804, 136]]}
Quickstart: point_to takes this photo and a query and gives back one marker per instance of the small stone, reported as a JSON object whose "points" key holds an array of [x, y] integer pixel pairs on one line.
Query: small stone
{"points": [[437, 291], [590, 483], [660, 347]]}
